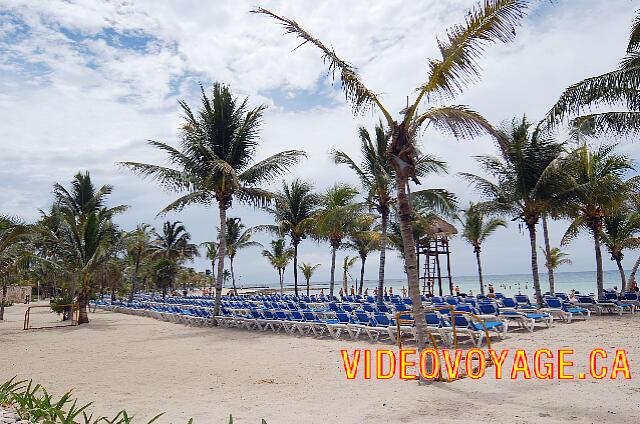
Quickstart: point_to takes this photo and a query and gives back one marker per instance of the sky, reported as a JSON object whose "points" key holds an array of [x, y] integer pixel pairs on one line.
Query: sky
{"points": [[85, 83]]}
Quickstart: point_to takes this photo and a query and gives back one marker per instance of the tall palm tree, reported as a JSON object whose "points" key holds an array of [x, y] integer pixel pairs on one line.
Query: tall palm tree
{"points": [[307, 271], [363, 238], [617, 89], [138, 247], [293, 211], [476, 228], [336, 215], [347, 263], [86, 233], [377, 176], [595, 190], [215, 161], [211, 253], [238, 238], [279, 257], [525, 180], [492, 21], [173, 244], [13, 253], [555, 258], [620, 233]]}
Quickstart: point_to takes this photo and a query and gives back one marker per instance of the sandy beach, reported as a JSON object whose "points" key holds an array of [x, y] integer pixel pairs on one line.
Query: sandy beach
{"points": [[149, 366]]}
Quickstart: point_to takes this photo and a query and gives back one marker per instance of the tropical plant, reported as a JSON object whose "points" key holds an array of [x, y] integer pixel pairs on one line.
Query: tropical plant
{"points": [[138, 248], [14, 253], [617, 89], [279, 257], [556, 257], [214, 162], [492, 21], [525, 180], [595, 189], [211, 252], [347, 263], [307, 271], [173, 245], [476, 228], [87, 235], [336, 215], [620, 230], [293, 211], [364, 238], [238, 238]]}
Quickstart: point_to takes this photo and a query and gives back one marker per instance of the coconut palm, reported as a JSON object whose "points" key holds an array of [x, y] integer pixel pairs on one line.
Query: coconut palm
{"points": [[376, 174], [595, 190], [364, 238], [279, 257], [215, 161], [347, 263], [211, 253], [556, 258], [476, 228], [492, 21], [336, 215], [238, 238], [14, 253], [307, 271], [86, 233], [620, 230], [293, 211], [173, 243], [138, 247], [617, 89], [525, 174]]}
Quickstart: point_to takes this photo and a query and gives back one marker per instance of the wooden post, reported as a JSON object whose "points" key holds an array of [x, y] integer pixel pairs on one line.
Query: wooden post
{"points": [[438, 268], [445, 241]]}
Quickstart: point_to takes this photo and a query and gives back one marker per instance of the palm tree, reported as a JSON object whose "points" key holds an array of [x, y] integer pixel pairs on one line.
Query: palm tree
{"points": [[620, 231], [279, 257], [476, 229], [211, 253], [490, 22], [13, 253], [555, 258], [595, 190], [293, 211], [214, 162], [376, 174], [334, 219], [614, 89], [347, 263], [237, 239], [174, 245], [138, 247], [307, 271], [363, 238], [87, 233], [525, 180]]}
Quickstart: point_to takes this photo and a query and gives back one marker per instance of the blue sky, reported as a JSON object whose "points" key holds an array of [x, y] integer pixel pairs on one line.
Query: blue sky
{"points": [[84, 83]]}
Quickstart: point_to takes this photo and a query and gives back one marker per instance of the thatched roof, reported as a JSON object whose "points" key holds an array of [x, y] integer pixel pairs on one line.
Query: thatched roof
{"points": [[440, 227]]}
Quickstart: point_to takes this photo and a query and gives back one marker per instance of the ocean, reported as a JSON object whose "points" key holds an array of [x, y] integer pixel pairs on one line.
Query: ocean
{"points": [[509, 284]]}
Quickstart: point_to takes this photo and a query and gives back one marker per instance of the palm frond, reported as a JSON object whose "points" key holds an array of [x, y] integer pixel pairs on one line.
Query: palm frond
{"points": [[271, 167]]}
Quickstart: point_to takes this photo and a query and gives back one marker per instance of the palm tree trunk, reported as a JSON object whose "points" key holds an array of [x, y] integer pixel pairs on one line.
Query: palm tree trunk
{"points": [[83, 297], [622, 276], [295, 268], [534, 263], [333, 272], [233, 275], [134, 279], [308, 286], [599, 273], [547, 246], [281, 275], [409, 247], [222, 246], [363, 259], [477, 250], [213, 276], [3, 300], [344, 281], [632, 276], [383, 255]]}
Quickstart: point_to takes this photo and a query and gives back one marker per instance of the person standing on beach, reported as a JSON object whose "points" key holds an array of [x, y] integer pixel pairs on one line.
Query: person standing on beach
{"points": [[390, 291], [404, 291]]}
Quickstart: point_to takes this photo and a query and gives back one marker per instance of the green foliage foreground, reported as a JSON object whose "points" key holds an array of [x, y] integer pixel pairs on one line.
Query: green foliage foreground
{"points": [[34, 403]]}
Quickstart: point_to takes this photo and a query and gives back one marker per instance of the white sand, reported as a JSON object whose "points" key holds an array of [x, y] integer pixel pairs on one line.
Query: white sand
{"points": [[148, 366]]}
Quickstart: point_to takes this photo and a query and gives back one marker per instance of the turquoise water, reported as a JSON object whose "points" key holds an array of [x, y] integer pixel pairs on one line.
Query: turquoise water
{"points": [[509, 284]]}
